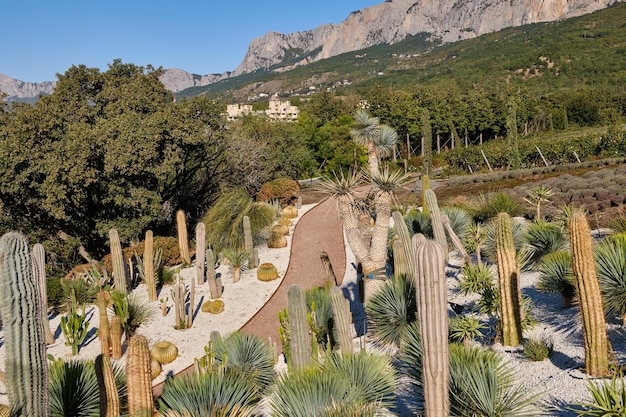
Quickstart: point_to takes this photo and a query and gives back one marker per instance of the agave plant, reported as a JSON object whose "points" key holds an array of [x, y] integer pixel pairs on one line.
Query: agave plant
{"points": [[610, 256], [392, 310], [219, 394], [318, 301], [74, 389]]}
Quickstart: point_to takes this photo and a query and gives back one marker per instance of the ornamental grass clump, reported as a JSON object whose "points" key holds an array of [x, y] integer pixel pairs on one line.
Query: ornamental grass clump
{"points": [[538, 348]]}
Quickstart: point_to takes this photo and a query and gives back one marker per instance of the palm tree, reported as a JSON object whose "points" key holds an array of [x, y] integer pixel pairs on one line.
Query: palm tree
{"points": [[372, 252], [378, 139]]}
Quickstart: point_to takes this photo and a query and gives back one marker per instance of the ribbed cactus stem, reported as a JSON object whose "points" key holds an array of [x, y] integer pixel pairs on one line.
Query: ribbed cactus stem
{"points": [[436, 221], [328, 267], [192, 302], [116, 337], [343, 319], [179, 295], [509, 289], [117, 259], [300, 341], [456, 242], [400, 261], [589, 297], [139, 382], [38, 258], [109, 397], [425, 186], [404, 237], [432, 309], [211, 274], [148, 264], [183, 239], [200, 252], [26, 365], [104, 330], [248, 244]]}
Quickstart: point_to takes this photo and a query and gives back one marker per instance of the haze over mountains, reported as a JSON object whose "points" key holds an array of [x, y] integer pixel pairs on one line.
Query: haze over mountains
{"points": [[385, 23]]}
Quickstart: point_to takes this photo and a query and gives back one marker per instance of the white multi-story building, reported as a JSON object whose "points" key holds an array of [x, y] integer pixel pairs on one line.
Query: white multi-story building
{"points": [[278, 110]]}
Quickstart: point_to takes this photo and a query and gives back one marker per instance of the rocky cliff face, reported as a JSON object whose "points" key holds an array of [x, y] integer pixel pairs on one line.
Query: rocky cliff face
{"points": [[394, 20], [20, 90], [176, 79]]}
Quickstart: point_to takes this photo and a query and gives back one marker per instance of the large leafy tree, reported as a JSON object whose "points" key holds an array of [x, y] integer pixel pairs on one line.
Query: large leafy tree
{"points": [[107, 149]]}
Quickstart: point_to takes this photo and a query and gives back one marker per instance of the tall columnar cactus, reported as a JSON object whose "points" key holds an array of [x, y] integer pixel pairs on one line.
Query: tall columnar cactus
{"points": [[148, 264], [192, 303], [26, 366], [211, 275], [179, 296], [38, 258], [183, 239], [300, 341], [328, 267], [116, 337], [436, 221], [138, 380], [404, 236], [200, 252], [432, 309], [400, 261], [119, 265], [104, 330], [509, 289], [248, 244], [343, 319], [588, 288], [425, 186], [109, 397]]}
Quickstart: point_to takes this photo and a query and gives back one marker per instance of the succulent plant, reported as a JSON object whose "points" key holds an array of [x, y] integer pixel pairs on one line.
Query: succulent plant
{"points": [[140, 400], [267, 272], [213, 306], [164, 352]]}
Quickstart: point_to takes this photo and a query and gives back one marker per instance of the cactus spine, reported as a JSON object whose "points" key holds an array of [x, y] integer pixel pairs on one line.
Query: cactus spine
{"points": [[248, 244], [404, 236], [343, 319], [148, 264], [211, 276], [300, 342], [104, 330], [117, 258], [432, 309], [183, 240], [38, 258], [26, 366], [510, 295], [200, 252], [436, 221], [109, 398], [116, 337], [591, 310], [139, 382]]}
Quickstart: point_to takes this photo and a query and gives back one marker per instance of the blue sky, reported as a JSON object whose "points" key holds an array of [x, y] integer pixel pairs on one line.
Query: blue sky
{"points": [[45, 37]]}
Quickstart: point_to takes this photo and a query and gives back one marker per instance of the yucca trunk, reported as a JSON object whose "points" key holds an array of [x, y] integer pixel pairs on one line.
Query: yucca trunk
{"points": [[595, 338]]}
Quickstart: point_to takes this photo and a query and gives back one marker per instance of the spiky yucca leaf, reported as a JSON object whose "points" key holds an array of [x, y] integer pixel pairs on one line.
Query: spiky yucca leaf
{"points": [[392, 309], [610, 256], [74, 388], [320, 298], [366, 128], [386, 140], [248, 354], [609, 399], [556, 275], [388, 180], [210, 394], [545, 237]]}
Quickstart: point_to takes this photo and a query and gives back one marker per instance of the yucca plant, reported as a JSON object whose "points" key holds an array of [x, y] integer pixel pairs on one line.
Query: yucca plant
{"points": [[473, 240], [132, 310], [482, 385], [608, 399], [618, 224], [464, 329], [338, 381], [74, 388], [489, 205], [391, 310], [537, 196], [610, 257], [460, 219], [543, 237], [538, 348], [318, 301], [479, 279], [246, 353], [489, 248], [237, 259], [220, 394], [556, 275], [418, 222]]}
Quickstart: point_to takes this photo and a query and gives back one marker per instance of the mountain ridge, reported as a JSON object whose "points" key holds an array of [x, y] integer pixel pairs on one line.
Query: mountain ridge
{"points": [[385, 23]]}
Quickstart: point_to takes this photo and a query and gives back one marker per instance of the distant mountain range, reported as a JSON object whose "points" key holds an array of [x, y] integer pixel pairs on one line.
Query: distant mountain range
{"points": [[385, 23]]}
